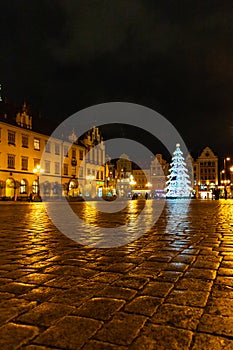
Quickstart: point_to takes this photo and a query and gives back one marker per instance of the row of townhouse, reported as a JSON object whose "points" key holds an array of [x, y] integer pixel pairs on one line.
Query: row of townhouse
{"points": [[33, 163], [204, 176]]}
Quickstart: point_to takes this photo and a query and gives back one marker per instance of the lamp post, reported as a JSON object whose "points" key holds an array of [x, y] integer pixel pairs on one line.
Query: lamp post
{"points": [[38, 170], [225, 181]]}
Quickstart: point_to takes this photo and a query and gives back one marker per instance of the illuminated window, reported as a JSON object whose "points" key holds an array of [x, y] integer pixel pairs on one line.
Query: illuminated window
{"points": [[25, 141], [11, 161], [23, 186], [36, 162], [36, 144], [11, 137], [24, 163]]}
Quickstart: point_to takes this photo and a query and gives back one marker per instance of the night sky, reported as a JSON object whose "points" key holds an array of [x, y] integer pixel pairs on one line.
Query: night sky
{"points": [[172, 56]]}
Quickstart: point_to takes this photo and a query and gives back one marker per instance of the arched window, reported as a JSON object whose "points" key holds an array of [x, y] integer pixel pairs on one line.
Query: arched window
{"points": [[23, 186], [35, 186]]}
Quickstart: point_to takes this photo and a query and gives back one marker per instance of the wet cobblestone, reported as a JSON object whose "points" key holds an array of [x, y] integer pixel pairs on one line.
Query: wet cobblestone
{"points": [[170, 289]]}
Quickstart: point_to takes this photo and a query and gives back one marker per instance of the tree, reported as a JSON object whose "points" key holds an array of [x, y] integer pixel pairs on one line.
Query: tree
{"points": [[178, 179]]}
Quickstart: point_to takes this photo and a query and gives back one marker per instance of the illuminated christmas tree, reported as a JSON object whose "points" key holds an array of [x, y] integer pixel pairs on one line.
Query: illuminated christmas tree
{"points": [[178, 179]]}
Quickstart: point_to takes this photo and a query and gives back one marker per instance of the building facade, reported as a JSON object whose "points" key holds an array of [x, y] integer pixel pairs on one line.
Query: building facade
{"points": [[33, 164]]}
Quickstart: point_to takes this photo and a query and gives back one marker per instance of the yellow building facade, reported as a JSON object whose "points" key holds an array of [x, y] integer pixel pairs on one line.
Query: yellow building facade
{"points": [[33, 164]]}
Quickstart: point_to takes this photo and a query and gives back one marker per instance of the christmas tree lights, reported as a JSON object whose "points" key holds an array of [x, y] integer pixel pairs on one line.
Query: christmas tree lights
{"points": [[178, 184]]}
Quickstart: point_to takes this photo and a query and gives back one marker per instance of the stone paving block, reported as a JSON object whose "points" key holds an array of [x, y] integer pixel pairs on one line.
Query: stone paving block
{"points": [[100, 308], [178, 316], [6, 295], [184, 258], [16, 288], [122, 329], [63, 282], [39, 347], [222, 291], [211, 342], [131, 282], [157, 289], [36, 278], [169, 276], [106, 277], [216, 325], [226, 281], [225, 272], [160, 257], [45, 314], [76, 295], [201, 273], [70, 333], [194, 284], [143, 273], [144, 305], [223, 307], [97, 345], [11, 308], [41, 294], [188, 297], [116, 292], [143, 343], [168, 337], [12, 335], [120, 267]]}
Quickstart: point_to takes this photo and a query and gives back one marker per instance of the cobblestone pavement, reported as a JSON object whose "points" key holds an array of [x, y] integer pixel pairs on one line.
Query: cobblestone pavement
{"points": [[171, 289]]}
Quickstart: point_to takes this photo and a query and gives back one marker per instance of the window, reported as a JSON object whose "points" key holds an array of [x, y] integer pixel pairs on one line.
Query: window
{"points": [[25, 141], [80, 155], [47, 166], [36, 162], [11, 137], [35, 186], [65, 169], [73, 153], [93, 172], [47, 147], [88, 171], [81, 171], [36, 144], [57, 148], [57, 168], [66, 149], [24, 163], [23, 186], [11, 161]]}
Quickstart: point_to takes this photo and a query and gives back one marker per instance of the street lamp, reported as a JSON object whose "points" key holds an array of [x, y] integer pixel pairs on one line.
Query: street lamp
{"points": [[38, 170], [225, 181]]}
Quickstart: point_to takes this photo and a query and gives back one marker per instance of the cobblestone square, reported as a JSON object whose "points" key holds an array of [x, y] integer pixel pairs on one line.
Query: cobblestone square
{"points": [[172, 289]]}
